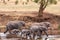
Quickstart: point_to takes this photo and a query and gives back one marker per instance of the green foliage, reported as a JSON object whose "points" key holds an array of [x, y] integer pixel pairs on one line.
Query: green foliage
{"points": [[52, 1], [36, 1], [59, 27], [27, 0], [16, 2], [8, 0], [49, 1]]}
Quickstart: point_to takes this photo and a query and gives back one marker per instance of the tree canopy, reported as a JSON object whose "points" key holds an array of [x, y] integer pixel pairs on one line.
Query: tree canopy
{"points": [[43, 4]]}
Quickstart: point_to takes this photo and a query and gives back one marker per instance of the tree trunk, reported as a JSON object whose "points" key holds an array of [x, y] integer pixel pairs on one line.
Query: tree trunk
{"points": [[40, 12], [41, 9]]}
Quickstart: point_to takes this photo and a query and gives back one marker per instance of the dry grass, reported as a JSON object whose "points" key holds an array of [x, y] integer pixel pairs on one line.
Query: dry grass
{"points": [[10, 6]]}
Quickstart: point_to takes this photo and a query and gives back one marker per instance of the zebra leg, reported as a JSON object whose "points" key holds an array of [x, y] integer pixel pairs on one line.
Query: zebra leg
{"points": [[46, 33], [40, 34], [33, 36], [6, 30], [21, 35]]}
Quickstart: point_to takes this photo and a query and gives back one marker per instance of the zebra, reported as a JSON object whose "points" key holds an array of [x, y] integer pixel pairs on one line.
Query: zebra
{"points": [[38, 28], [14, 25]]}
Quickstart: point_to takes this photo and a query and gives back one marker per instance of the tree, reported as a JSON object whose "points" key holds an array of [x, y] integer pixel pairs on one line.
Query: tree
{"points": [[16, 2], [43, 5], [4, 1]]}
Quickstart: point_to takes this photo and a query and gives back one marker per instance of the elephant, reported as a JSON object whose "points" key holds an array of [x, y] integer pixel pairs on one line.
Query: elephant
{"points": [[14, 25], [38, 28]]}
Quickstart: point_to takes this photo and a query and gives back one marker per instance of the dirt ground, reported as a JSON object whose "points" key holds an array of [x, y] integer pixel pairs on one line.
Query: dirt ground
{"points": [[29, 17]]}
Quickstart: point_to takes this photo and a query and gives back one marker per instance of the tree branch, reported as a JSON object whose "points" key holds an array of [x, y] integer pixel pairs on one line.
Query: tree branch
{"points": [[45, 5], [41, 6]]}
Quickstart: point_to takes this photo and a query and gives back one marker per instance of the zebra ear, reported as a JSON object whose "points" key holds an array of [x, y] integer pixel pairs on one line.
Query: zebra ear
{"points": [[47, 24], [23, 23]]}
